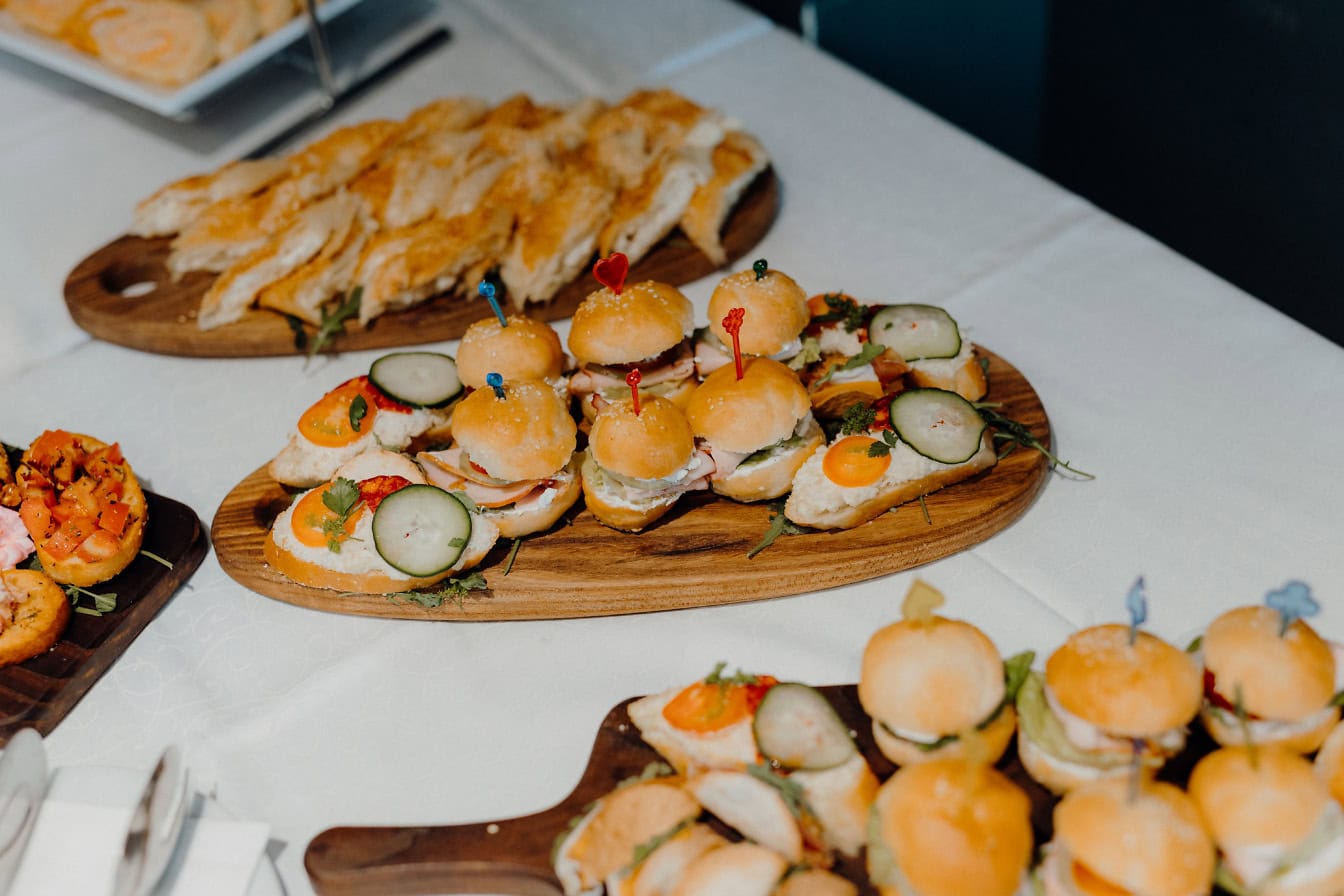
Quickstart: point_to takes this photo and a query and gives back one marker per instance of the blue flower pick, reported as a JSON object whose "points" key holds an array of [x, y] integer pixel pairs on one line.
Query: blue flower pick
{"points": [[1136, 601], [487, 291], [496, 382], [1293, 602]]}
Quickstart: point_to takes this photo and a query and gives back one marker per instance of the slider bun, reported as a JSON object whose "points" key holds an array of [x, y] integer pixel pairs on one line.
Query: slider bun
{"points": [[745, 415], [776, 310], [515, 523], [1270, 798], [1130, 691], [1228, 732], [526, 349], [954, 827], [1154, 844], [1280, 678], [643, 321], [770, 478], [1330, 762], [616, 511], [652, 444], [994, 737], [528, 434], [1060, 775], [937, 677]]}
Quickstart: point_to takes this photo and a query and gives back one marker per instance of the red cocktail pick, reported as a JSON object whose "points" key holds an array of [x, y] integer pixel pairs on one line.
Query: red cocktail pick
{"points": [[611, 271], [732, 322], [632, 380]]}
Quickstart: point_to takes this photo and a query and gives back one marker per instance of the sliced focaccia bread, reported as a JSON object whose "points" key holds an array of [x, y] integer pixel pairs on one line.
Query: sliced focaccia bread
{"points": [[736, 161]]}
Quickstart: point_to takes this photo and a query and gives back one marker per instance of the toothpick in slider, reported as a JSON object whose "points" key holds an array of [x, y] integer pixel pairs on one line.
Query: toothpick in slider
{"points": [[732, 322], [496, 382], [487, 291]]}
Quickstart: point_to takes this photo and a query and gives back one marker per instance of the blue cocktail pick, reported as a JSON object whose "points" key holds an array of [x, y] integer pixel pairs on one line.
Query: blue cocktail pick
{"points": [[1293, 602], [1136, 601], [496, 382], [487, 291]]}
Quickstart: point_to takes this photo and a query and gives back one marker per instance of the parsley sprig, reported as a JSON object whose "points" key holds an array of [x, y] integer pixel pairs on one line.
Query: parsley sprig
{"points": [[844, 310], [857, 418], [452, 590], [341, 499]]}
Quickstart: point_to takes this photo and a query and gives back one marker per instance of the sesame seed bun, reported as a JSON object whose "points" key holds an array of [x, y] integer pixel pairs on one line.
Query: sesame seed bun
{"points": [[937, 677], [745, 415], [643, 321], [1136, 690], [652, 444], [526, 349], [1152, 844], [771, 478], [776, 310], [528, 434], [952, 827], [1271, 797], [1283, 678]]}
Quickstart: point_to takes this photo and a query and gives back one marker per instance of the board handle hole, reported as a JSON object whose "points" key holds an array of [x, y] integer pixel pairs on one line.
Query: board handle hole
{"points": [[131, 279]]}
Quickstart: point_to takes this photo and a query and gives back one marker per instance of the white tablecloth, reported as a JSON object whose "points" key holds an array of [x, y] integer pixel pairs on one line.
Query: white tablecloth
{"points": [[1208, 418]]}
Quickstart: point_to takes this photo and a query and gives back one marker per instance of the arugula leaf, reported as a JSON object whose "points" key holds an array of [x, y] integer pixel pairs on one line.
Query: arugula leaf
{"points": [[842, 309], [156, 558], [858, 417], [102, 603], [789, 789], [300, 334], [865, 357], [1014, 433], [333, 321], [738, 677], [810, 353], [779, 525], [1338, 699], [455, 590], [513, 554], [1015, 671], [359, 409]]}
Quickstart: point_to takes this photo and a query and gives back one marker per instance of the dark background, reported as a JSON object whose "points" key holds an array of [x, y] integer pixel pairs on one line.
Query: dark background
{"points": [[1216, 126]]}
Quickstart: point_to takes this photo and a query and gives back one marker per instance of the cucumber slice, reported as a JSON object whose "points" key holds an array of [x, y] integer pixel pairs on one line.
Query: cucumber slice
{"points": [[916, 331], [418, 379], [938, 424], [421, 530], [796, 727]]}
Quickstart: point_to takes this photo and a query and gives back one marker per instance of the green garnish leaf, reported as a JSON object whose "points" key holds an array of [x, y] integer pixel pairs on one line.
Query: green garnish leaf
{"points": [[738, 677], [102, 603], [810, 353], [644, 850], [1017, 434], [300, 334], [883, 448], [341, 499], [458, 542], [924, 509], [1193, 647], [333, 321], [858, 417], [779, 525], [156, 558], [513, 554], [789, 789], [454, 590], [865, 357], [359, 409], [1338, 699], [844, 310], [467, 502], [1015, 671]]}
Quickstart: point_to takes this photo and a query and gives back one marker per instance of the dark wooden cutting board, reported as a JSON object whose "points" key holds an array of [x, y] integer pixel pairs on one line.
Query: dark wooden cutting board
{"points": [[163, 320], [694, 557]]}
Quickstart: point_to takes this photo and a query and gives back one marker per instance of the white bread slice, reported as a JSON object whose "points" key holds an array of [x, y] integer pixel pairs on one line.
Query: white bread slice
{"points": [[751, 806], [840, 798], [818, 503], [736, 161], [739, 869], [961, 374], [659, 874], [304, 291]]}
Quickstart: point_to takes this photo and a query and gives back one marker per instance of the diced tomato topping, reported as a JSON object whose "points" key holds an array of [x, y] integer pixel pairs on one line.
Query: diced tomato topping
{"points": [[81, 494], [69, 536], [114, 518], [704, 707], [111, 453], [36, 516], [98, 546], [373, 491]]}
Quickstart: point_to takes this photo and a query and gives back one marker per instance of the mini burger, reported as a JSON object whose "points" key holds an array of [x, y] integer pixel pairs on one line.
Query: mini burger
{"points": [[513, 456], [758, 429], [639, 463], [1109, 695], [377, 526], [1286, 679], [775, 314], [645, 326], [1278, 831], [1112, 839], [949, 827], [926, 679], [525, 349]]}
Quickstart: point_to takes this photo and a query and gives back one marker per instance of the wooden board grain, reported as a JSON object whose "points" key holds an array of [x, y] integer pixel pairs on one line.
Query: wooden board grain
{"points": [[40, 693], [103, 294], [512, 856], [694, 557]]}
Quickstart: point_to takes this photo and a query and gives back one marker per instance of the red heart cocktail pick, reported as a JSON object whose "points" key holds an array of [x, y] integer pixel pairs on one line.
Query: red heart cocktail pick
{"points": [[611, 271]]}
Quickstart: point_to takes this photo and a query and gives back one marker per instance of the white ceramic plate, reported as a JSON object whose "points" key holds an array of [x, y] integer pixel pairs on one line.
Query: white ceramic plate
{"points": [[166, 101]]}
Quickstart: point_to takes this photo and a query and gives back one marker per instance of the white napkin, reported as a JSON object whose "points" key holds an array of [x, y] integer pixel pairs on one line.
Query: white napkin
{"points": [[81, 830]]}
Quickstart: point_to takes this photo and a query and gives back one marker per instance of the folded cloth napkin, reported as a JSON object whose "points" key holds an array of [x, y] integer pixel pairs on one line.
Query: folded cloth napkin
{"points": [[81, 830]]}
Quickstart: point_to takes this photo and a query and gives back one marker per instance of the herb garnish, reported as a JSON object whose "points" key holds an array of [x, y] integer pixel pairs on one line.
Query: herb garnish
{"points": [[857, 418], [102, 603], [1338, 699], [341, 499], [865, 357], [156, 558], [300, 334], [738, 677], [810, 352], [333, 321], [359, 409], [454, 590], [924, 509], [1014, 433], [779, 525], [790, 790], [513, 553], [844, 310], [883, 448]]}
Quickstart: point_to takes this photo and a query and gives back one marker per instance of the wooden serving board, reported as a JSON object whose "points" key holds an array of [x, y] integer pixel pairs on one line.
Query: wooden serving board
{"points": [[693, 557], [40, 693], [512, 856], [163, 320]]}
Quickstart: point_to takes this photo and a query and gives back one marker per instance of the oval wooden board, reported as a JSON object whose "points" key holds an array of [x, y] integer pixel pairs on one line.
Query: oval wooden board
{"points": [[513, 855], [694, 557], [164, 320]]}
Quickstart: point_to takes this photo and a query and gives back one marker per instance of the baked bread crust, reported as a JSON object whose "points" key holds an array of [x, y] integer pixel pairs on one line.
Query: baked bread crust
{"points": [[34, 611]]}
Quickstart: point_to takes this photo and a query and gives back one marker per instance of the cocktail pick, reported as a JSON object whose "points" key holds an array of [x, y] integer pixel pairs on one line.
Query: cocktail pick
{"points": [[632, 380], [1243, 722], [1293, 602], [496, 382], [487, 291], [1136, 601], [760, 266], [920, 601], [1135, 768], [611, 271], [732, 322]]}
